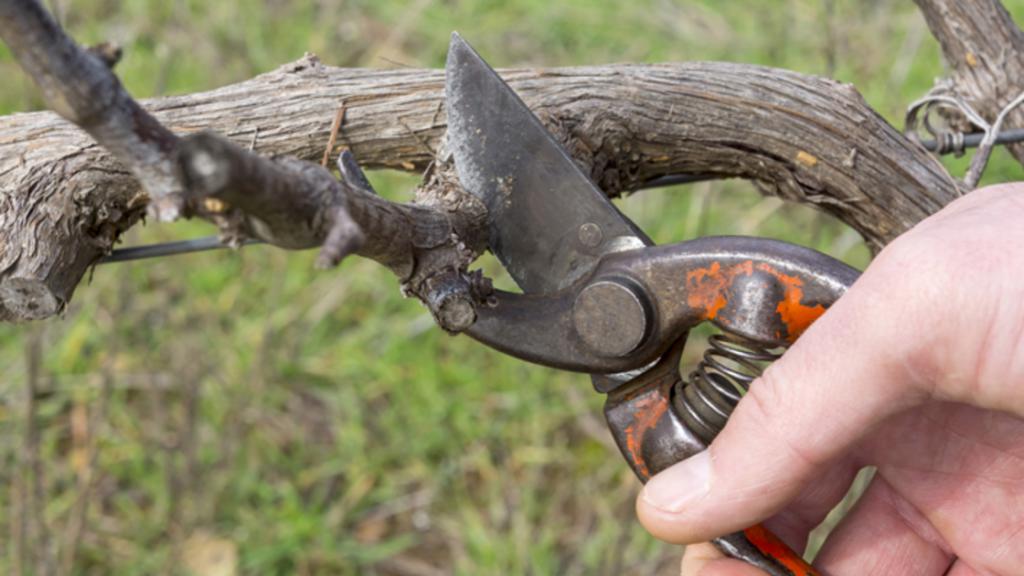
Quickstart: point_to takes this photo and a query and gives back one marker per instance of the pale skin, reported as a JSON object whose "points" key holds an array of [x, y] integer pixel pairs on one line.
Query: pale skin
{"points": [[918, 370]]}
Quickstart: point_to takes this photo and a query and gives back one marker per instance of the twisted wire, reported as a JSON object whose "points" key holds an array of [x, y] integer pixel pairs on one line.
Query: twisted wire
{"points": [[955, 141]]}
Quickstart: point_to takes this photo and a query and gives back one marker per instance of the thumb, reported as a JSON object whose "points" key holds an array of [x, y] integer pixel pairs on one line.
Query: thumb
{"points": [[843, 376]]}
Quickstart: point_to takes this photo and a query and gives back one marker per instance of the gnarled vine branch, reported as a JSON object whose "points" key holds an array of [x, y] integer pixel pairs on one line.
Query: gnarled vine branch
{"points": [[984, 50], [285, 201], [807, 139]]}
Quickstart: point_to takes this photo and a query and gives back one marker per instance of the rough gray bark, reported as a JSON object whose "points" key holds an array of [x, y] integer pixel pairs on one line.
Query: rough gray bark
{"points": [[806, 139], [283, 201], [79, 85], [65, 200], [296, 204], [984, 50]]}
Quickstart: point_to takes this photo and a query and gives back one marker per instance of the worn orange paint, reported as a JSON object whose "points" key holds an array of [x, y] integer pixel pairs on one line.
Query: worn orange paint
{"points": [[707, 290], [795, 315], [771, 546], [649, 411], [704, 289]]}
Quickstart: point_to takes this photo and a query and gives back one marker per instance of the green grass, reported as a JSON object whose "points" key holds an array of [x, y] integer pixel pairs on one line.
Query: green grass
{"points": [[318, 423]]}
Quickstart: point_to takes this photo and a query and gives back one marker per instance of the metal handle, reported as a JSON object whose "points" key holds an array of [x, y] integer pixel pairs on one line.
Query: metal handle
{"points": [[652, 436], [763, 295]]}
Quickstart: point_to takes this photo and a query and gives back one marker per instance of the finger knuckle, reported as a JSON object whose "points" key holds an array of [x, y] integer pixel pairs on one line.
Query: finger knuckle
{"points": [[952, 285]]}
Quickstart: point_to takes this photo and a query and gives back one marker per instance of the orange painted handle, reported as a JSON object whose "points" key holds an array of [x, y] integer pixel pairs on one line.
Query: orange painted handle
{"points": [[771, 546]]}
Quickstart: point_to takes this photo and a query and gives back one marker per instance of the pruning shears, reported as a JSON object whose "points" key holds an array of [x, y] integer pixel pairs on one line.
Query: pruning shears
{"points": [[599, 297]]}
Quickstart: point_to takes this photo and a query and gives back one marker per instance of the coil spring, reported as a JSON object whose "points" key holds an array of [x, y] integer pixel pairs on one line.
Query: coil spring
{"points": [[708, 396]]}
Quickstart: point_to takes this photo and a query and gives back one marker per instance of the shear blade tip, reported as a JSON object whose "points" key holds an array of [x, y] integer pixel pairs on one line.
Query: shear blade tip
{"points": [[459, 50], [457, 42]]}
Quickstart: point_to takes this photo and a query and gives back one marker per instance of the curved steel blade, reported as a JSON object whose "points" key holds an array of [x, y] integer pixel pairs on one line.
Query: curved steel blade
{"points": [[549, 224]]}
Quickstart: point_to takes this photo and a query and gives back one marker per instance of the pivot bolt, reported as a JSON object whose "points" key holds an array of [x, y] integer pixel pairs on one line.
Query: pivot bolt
{"points": [[590, 235], [611, 317]]}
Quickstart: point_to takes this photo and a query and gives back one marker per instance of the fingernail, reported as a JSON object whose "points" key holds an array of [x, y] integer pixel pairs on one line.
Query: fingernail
{"points": [[679, 486]]}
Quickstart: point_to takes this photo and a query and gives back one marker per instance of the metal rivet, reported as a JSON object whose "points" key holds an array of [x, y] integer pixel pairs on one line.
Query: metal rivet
{"points": [[611, 318], [590, 235]]}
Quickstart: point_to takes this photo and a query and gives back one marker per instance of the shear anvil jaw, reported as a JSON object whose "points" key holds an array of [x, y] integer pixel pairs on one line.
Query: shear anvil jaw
{"points": [[636, 304]]}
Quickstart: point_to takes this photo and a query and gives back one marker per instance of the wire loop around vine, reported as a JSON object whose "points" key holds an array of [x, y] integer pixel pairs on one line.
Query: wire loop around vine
{"points": [[954, 141]]}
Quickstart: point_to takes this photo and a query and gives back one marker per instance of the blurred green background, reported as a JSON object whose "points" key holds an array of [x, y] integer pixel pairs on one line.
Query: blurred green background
{"points": [[228, 413]]}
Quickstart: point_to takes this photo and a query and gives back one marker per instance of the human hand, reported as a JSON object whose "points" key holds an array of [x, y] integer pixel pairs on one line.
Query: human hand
{"points": [[918, 370]]}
